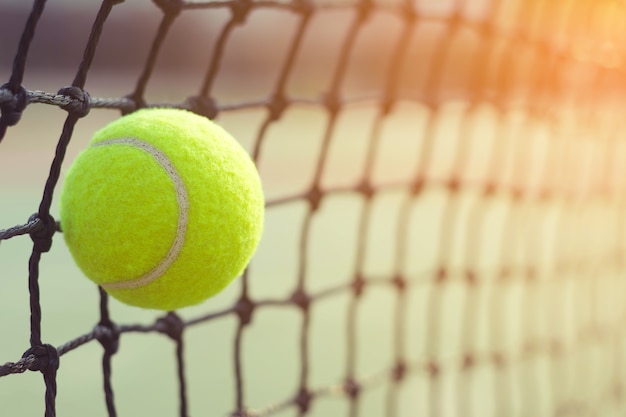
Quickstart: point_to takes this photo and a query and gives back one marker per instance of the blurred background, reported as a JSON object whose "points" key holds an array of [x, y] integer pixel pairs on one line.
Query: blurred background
{"points": [[522, 95], [590, 31]]}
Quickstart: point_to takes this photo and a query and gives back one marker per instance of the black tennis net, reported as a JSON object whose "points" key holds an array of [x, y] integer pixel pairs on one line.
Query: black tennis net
{"points": [[445, 191]]}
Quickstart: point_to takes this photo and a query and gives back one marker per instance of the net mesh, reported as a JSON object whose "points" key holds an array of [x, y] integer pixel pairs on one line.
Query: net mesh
{"points": [[464, 182]]}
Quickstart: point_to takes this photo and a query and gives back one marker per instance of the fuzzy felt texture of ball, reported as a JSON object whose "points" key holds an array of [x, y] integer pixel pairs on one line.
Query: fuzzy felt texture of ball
{"points": [[163, 209]]}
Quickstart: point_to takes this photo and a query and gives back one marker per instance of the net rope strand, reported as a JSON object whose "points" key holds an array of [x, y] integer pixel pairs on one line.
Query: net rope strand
{"points": [[554, 216]]}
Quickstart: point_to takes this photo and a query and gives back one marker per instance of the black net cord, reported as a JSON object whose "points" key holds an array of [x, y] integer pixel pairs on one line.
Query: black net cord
{"points": [[352, 386], [303, 397], [43, 243], [174, 327], [50, 380], [543, 87], [92, 42], [19, 62], [333, 103], [107, 372], [11, 111], [240, 397], [182, 380], [47, 359], [279, 102], [300, 299], [138, 94], [220, 44], [42, 239], [109, 339], [400, 326]]}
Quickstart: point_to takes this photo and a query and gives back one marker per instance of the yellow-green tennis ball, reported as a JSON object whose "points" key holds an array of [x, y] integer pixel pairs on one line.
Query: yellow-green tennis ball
{"points": [[163, 209]]}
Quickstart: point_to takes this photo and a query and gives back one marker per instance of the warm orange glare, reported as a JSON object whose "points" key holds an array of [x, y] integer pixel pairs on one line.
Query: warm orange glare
{"points": [[600, 32], [519, 50], [592, 30]]}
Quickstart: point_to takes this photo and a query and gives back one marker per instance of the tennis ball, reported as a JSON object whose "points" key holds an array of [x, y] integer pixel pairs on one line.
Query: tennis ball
{"points": [[163, 209]]}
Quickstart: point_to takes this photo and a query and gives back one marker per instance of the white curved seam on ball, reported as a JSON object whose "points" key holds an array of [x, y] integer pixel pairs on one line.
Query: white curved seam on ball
{"points": [[183, 213]]}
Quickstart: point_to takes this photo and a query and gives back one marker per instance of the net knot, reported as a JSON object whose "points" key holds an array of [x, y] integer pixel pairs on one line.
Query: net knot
{"points": [[489, 189], [301, 299], [517, 193], [171, 325], [303, 6], [441, 275], [366, 189], [433, 368], [365, 9], [169, 7], [46, 358], [244, 309], [134, 102], [352, 388], [42, 236], [202, 105], [108, 335], [531, 274], [358, 285], [240, 10], [387, 104], [556, 348], [468, 361], [315, 197], [303, 400], [81, 101], [498, 360], [470, 278], [277, 106], [417, 186], [399, 282], [409, 13], [399, 371], [11, 109], [332, 102], [504, 274], [453, 184]]}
